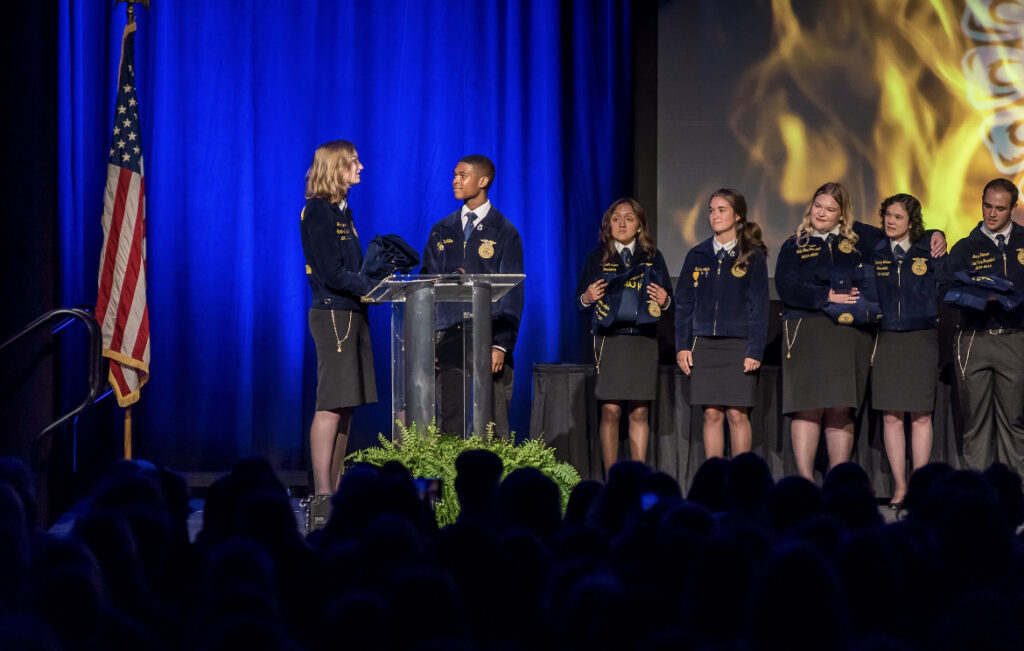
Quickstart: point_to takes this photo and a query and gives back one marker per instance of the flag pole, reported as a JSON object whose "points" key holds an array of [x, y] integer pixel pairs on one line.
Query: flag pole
{"points": [[128, 409], [131, 8], [128, 432]]}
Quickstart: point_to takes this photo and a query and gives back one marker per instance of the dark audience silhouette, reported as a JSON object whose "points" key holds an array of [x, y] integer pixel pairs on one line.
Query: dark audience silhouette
{"points": [[743, 563]]}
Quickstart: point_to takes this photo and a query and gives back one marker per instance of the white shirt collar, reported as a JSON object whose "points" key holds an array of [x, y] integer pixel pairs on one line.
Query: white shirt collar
{"points": [[342, 205], [834, 231], [728, 246], [631, 246], [480, 212], [992, 235], [903, 244]]}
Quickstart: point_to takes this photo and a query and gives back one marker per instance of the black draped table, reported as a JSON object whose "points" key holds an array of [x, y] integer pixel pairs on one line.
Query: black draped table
{"points": [[566, 415]]}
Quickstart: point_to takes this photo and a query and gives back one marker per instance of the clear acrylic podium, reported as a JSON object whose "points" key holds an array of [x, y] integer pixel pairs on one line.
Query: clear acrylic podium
{"points": [[413, 299]]}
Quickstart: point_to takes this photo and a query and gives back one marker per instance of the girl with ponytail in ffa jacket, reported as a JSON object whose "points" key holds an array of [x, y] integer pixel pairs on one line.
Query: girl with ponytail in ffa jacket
{"points": [[722, 321], [906, 356], [821, 271], [626, 283], [337, 317]]}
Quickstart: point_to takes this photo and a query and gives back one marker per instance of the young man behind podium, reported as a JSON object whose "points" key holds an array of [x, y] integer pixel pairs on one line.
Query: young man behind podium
{"points": [[475, 239]]}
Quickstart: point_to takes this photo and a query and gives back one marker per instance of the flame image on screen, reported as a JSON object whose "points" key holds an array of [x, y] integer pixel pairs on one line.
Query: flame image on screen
{"points": [[884, 96]]}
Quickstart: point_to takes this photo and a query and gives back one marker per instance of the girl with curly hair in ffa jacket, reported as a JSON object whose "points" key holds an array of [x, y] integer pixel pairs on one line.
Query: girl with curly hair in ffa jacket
{"points": [[626, 283], [905, 361]]}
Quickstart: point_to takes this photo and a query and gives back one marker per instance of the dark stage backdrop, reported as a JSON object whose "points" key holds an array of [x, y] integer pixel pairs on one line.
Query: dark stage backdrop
{"points": [[235, 96]]}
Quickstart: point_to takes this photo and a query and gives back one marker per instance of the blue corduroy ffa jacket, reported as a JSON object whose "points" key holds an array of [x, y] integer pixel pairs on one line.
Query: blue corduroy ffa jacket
{"points": [[907, 291], [494, 247], [719, 299], [805, 272], [978, 255], [594, 268], [333, 257]]}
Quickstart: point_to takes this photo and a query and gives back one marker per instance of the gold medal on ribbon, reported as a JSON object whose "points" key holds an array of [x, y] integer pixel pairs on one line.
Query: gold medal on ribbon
{"points": [[653, 309], [845, 246], [696, 275], [440, 246], [920, 267]]}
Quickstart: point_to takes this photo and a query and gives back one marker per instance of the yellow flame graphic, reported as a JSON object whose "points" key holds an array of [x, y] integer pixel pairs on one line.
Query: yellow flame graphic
{"points": [[884, 96]]}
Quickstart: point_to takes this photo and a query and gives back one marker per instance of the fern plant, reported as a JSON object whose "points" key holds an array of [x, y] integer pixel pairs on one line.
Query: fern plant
{"points": [[432, 454]]}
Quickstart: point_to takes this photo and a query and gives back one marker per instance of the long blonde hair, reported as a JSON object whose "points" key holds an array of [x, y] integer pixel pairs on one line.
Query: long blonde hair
{"points": [[846, 218], [325, 178]]}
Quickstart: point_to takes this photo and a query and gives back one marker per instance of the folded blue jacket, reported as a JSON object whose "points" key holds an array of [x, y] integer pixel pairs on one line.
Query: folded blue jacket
{"points": [[387, 254]]}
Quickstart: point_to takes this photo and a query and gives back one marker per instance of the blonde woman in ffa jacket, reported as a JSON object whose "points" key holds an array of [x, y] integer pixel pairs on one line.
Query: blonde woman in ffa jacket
{"points": [[626, 283], [722, 321], [828, 301], [906, 356], [337, 317]]}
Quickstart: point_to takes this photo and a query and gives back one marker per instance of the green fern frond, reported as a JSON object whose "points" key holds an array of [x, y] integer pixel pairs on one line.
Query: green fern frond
{"points": [[430, 453]]}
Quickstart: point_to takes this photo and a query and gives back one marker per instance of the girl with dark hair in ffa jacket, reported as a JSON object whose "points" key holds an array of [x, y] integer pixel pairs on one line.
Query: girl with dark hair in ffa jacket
{"points": [[722, 321], [826, 297], [626, 283], [906, 356], [337, 317]]}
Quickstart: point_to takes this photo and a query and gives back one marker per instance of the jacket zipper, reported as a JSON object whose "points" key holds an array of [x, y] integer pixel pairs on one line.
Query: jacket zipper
{"points": [[899, 292], [718, 280]]}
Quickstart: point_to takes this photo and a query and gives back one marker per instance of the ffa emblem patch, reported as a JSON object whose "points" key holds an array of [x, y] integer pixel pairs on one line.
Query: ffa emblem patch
{"points": [[1020, 256], [920, 267], [486, 249], [653, 309], [739, 271], [696, 275], [845, 246], [845, 318]]}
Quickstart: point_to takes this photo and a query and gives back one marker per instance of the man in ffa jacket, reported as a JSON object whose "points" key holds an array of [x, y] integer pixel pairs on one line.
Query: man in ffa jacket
{"points": [[476, 239], [989, 348]]}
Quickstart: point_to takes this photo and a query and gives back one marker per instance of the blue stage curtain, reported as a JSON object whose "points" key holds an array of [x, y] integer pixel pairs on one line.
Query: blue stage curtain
{"points": [[235, 96]]}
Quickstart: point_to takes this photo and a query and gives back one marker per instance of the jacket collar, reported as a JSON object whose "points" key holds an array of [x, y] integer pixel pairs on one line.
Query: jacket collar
{"points": [[1016, 234], [494, 219]]}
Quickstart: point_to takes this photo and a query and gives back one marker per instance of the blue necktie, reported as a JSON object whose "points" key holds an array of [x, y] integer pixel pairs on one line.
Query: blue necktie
{"points": [[898, 253], [1001, 243], [468, 230], [627, 257], [721, 254]]}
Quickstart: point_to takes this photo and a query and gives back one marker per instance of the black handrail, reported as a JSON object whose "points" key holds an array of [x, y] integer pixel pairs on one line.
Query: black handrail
{"points": [[97, 382]]}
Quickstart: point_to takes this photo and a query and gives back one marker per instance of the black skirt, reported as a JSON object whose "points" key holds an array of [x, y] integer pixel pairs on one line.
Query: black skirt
{"points": [[824, 364], [343, 378], [904, 371], [627, 367], [717, 377]]}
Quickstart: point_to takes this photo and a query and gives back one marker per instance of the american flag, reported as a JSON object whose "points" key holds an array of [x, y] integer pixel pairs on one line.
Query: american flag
{"points": [[121, 304]]}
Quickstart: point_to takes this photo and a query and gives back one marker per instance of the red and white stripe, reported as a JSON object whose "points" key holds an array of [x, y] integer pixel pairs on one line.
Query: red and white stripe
{"points": [[121, 306]]}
